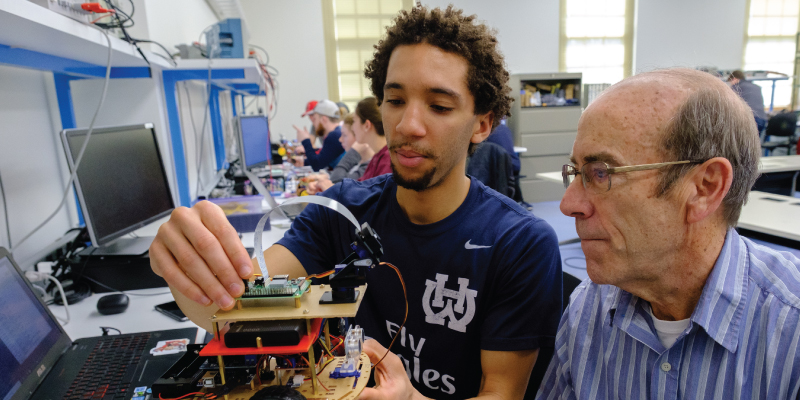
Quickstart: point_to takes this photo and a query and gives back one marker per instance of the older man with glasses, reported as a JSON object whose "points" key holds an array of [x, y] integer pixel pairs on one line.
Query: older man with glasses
{"points": [[679, 306]]}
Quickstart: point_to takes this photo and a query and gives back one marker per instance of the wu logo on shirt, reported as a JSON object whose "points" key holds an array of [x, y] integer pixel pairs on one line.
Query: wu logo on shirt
{"points": [[464, 303]]}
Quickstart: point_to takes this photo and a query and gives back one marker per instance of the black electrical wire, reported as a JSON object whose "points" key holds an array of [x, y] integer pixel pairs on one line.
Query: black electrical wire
{"points": [[5, 212], [105, 330], [171, 57], [120, 23], [79, 290]]}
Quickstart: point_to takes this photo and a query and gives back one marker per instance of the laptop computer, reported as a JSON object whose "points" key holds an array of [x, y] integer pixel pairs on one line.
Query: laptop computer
{"points": [[38, 360]]}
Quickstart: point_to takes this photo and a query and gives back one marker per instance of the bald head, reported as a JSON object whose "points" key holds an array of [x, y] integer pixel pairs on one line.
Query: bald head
{"points": [[685, 114]]}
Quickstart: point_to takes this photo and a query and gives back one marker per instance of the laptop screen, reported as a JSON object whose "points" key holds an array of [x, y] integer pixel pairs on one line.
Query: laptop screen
{"points": [[28, 335]]}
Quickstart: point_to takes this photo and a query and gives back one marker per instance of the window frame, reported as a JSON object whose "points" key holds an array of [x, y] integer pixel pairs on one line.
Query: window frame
{"points": [[795, 70], [627, 39], [332, 46]]}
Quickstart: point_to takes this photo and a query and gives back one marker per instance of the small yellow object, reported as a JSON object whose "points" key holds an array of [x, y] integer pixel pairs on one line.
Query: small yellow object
{"points": [[281, 151]]}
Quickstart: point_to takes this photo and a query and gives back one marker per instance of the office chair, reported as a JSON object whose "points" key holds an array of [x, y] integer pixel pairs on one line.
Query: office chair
{"points": [[783, 126], [569, 283], [491, 165]]}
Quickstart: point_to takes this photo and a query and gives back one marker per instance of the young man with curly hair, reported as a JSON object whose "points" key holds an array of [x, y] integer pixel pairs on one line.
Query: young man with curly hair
{"points": [[483, 276]]}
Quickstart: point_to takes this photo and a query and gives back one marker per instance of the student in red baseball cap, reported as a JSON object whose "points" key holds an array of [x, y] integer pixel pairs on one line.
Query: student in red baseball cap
{"points": [[325, 122]]}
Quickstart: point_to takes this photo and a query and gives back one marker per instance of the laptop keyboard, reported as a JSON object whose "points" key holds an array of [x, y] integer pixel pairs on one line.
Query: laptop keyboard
{"points": [[108, 371]]}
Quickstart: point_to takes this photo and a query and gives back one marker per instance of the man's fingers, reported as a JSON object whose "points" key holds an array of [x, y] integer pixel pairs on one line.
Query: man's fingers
{"points": [[370, 394], [214, 219], [374, 350], [193, 265], [164, 265], [201, 231]]}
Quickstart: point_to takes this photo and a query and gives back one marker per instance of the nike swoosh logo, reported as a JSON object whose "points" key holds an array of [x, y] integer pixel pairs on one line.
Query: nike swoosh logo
{"points": [[469, 246]]}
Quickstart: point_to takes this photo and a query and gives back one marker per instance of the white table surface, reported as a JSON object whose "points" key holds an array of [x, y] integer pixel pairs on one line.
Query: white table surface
{"points": [[772, 214], [779, 164], [141, 316]]}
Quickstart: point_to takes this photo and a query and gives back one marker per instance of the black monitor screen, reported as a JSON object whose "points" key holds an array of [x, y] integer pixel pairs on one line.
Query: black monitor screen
{"points": [[121, 180], [255, 143]]}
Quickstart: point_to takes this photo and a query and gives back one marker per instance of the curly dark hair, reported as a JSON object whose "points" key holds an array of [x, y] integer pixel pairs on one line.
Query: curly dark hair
{"points": [[451, 31]]}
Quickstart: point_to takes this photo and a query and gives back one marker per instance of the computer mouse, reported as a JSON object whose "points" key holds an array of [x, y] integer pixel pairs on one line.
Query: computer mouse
{"points": [[112, 304]]}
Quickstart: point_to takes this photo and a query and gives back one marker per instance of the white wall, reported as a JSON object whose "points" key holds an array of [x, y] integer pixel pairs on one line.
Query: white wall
{"points": [[528, 31], [291, 31], [30, 157], [689, 33], [172, 22]]}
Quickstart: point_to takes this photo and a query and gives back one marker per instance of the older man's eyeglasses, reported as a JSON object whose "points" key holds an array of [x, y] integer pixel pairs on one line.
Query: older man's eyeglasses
{"points": [[596, 175]]}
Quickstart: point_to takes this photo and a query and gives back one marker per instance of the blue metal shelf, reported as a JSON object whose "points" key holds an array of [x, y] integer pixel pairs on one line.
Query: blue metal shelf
{"points": [[239, 76]]}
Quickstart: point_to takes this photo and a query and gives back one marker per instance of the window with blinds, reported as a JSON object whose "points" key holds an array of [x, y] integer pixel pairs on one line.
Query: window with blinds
{"points": [[772, 27], [596, 39], [352, 28]]}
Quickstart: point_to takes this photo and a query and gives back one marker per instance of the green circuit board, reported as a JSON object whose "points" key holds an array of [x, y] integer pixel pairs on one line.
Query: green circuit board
{"points": [[276, 287]]}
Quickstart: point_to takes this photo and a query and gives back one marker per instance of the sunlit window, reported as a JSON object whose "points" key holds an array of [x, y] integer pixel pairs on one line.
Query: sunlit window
{"points": [[596, 39], [357, 25], [771, 34]]}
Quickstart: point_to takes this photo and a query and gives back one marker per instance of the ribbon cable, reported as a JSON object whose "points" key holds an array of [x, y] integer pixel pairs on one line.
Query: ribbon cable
{"points": [[318, 200]]}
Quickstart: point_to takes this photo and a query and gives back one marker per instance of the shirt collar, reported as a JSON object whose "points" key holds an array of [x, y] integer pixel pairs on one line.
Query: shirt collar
{"points": [[722, 303], [721, 306]]}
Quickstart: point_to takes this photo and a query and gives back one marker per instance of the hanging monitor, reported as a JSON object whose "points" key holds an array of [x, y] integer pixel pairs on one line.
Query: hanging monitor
{"points": [[121, 185]]}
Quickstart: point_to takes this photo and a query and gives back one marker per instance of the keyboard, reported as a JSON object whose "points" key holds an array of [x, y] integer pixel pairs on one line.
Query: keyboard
{"points": [[108, 371]]}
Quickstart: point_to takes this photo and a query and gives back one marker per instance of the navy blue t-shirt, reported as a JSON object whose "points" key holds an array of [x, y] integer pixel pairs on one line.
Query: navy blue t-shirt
{"points": [[486, 277]]}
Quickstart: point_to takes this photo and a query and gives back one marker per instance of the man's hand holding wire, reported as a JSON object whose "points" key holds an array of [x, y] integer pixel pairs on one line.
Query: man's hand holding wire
{"points": [[391, 380]]}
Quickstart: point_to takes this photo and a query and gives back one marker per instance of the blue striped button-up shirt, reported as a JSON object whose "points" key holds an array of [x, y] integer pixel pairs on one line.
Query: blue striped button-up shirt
{"points": [[741, 343]]}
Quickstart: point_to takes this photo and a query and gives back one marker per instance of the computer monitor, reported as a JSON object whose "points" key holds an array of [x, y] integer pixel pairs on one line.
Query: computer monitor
{"points": [[121, 185], [255, 151], [254, 141]]}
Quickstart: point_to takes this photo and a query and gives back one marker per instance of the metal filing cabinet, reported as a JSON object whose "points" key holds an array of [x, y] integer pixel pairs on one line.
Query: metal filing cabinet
{"points": [[547, 130]]}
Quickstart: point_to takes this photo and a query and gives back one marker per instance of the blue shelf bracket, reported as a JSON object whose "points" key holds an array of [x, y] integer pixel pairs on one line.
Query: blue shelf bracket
{"points": [[67, 113], [171, 79], [216, 127], [233, 102]]}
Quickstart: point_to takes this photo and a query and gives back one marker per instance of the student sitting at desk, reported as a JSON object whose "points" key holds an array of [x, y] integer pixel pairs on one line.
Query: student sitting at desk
{"points": [[495, 268], [356, 156], [370, 144], [325, 120]]}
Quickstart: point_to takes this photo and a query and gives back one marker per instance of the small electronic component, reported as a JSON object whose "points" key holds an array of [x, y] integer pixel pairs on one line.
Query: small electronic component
{"points": [[297, 381], [353, 344], [266, 333], [278, 286], [208, 380]]}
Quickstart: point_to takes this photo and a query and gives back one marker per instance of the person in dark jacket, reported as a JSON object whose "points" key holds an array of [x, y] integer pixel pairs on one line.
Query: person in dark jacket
{"points": [[503, 136], [751, 94], [325, 119]]}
